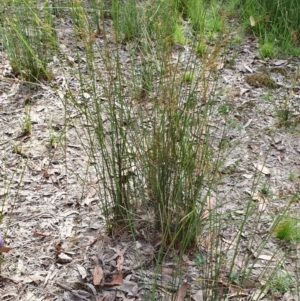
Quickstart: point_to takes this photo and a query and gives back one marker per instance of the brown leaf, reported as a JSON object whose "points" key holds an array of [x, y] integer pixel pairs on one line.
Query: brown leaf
{"points": [[181, 292], [167, 271], [5, 249], [97, 275], [116, 280]]}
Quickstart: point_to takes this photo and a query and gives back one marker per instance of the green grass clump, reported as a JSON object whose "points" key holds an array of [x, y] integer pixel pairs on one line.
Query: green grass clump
{"points": [[280, 282], [178, 35], [288, 229], [267, 50]]}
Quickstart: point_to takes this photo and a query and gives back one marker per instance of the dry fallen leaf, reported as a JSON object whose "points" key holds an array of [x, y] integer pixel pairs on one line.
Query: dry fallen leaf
{"points": [[262, 168], [167, 271], [266, 257], [262, 202], [262, 205], [181, 292], [81, 271], [63, 258], [115, 280], [5, 249], [97, 275]]}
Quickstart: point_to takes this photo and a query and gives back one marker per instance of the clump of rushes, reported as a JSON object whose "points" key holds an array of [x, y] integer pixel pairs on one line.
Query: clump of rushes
{"points": [[288, 229], [29, 40]]}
